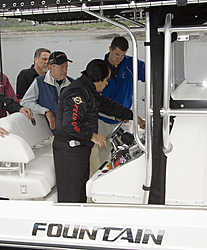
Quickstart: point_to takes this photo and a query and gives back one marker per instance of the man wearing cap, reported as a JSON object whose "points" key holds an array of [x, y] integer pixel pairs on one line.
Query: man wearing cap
{"points": [[42, 96]]}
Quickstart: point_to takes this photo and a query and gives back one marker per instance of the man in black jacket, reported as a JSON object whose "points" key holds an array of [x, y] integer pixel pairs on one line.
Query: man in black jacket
{"points": [[27, 76], [77, 129], [8, 104]]}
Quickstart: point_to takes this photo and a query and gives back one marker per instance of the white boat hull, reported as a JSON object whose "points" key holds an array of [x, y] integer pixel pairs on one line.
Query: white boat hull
{"points": [[92, 226]]}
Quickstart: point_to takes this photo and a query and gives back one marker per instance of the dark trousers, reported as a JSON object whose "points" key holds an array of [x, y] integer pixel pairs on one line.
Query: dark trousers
{"points": [[72, 171]]}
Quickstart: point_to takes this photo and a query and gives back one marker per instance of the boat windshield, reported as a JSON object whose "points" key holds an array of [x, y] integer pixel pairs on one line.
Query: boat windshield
{"points": [[189, 72]]}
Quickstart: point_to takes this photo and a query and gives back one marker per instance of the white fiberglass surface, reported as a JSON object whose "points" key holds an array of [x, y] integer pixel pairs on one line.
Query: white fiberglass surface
{"points": [[189, 68]]}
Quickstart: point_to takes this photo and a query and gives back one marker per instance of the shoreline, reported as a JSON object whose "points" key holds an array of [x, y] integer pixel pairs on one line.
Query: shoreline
{"points": [[73, 29], [107, 33]]}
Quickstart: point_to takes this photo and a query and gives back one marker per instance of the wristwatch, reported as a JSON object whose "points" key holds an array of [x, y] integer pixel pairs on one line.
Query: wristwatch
{"points": [[46, 110]]}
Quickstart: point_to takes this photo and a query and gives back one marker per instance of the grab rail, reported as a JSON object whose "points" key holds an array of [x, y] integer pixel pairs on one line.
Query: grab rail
{"points": [[21, 168], [185, 112], [188, 29], [149, 112], [167, 146]]}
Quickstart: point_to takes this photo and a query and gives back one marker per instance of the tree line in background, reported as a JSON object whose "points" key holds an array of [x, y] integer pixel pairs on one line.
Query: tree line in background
{"points": [[12, 22], [18, 25]]}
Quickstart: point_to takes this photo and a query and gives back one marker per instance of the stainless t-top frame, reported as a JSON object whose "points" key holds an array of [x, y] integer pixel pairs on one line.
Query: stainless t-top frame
{"points": [[148, 147], [7, 11]]}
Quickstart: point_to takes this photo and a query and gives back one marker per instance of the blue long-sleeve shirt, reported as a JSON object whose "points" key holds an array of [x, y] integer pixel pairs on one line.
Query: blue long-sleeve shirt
{"points": [[121, 91]]}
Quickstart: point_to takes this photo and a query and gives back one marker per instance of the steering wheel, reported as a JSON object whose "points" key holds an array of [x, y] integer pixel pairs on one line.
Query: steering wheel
{"points": [[114, 131]]}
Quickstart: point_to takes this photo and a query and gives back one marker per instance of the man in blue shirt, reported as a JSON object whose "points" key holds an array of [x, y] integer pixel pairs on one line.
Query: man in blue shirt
{"points": [[119, 88]]}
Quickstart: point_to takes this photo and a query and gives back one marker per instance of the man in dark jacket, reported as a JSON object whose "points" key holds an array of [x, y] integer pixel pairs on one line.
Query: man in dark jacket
{"points": [[27, 76], [77, 129], [8, 104]]}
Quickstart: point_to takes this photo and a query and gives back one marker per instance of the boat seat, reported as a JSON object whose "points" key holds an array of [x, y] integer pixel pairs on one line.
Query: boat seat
{"points": [[26, 159]]}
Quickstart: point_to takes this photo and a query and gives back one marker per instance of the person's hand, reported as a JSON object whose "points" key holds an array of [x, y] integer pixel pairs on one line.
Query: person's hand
{"points": [[141, 123], [51, 119], [117, 119], [121, 120], [3, 132], [27, 112], [99, 139]]}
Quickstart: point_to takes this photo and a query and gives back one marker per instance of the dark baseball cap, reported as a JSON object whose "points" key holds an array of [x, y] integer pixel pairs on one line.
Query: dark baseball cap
{"points": [[58, 57]]}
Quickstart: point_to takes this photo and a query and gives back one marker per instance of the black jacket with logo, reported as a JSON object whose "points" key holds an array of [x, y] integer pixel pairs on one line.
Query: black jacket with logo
{"points": [[8, 104], [78, 108]]}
